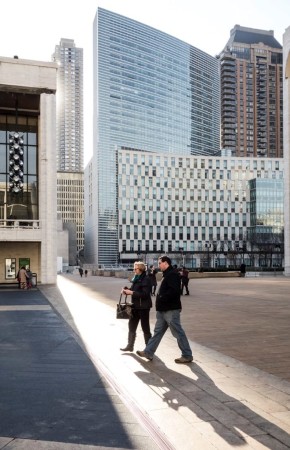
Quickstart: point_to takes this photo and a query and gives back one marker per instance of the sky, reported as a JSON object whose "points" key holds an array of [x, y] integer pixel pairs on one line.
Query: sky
{"points": [[31, 29]]}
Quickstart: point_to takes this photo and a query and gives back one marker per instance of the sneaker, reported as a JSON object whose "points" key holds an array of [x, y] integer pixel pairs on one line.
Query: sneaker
{"points": [[183, 359], [144, 355]]}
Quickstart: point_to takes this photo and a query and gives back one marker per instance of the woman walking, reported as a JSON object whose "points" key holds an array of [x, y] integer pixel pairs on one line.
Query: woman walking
{"points": [[140, 292]]}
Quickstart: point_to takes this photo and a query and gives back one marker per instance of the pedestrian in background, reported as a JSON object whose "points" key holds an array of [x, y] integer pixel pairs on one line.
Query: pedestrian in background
{"points": [[243, 270], [152, 276], [29, 278], [184, 275], [23, 278], [168, 308], [18, 279]]}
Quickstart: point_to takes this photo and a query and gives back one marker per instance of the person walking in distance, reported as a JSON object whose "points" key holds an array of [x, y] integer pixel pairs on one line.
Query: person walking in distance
{"points": [[23, 278], [184, 274], [29, 277], [243, 270], [168, 308], [152, 275], [140, 292]]}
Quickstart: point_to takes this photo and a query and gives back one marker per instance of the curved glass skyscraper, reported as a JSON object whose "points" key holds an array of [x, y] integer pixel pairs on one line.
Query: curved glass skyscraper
{"points": [[152, 92]]}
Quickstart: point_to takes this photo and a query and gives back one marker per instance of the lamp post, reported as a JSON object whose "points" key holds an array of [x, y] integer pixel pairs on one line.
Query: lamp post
{"points": [[208, 246], [139, 252], [182, 255]]}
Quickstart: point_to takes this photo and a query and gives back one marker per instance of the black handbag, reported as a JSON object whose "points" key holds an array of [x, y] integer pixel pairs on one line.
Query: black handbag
{"points": [[124, 309]]}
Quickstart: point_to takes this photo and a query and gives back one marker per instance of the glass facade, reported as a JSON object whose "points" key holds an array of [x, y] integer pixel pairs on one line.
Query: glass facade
{"points": [[266, 207], [22, 204], [152, 92]]}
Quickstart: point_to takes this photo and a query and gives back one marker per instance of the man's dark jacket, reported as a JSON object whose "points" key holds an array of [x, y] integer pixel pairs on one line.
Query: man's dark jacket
{"points": [[168, 297]]}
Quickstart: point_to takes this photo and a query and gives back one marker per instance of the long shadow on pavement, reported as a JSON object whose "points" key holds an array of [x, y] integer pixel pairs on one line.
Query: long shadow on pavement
{"points": [[224, 413]]}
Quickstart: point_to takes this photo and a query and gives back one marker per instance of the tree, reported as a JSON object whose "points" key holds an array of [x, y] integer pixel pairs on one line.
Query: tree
{"points": [[266, 245]]}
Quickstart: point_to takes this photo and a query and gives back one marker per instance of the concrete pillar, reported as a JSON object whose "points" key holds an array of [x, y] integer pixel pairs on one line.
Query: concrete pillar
{"points": [[47, 191]]}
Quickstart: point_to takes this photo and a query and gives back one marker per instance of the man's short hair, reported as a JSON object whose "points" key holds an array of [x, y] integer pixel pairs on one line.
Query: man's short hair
{"points": [[165, 258]]}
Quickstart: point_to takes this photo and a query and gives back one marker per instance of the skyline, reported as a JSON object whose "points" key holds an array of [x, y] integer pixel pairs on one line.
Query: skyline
{"points": [[195, 24]]}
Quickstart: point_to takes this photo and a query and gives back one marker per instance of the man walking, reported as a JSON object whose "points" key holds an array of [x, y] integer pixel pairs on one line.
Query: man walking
{"points": [[168, 308]]}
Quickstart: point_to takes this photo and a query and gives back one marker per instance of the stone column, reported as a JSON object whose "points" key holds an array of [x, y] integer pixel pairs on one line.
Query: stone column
{"points": [[47, 190]]}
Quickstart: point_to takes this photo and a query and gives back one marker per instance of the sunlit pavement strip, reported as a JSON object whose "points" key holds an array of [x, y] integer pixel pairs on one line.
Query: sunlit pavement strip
{"points": [[219, 402], [96, 324], [28, 444], [25, 308]]}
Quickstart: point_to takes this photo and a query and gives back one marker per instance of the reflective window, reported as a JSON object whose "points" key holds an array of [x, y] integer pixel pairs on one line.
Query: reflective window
{"points": [[22, 204]]}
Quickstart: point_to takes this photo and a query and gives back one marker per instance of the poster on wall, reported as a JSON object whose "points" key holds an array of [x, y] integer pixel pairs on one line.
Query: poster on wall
{"points": [[10, 268], [25, 262]]}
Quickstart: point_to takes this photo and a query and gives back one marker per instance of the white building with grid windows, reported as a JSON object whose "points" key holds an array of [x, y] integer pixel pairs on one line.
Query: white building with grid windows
{"points": [[186, 205]]}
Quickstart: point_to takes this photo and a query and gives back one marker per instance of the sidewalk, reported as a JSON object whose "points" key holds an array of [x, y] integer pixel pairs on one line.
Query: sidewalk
{"points": [[235, 394], [52, 397]]}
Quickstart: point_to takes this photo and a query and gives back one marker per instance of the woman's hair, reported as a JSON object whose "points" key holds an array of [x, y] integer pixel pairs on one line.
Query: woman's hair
{"points": [[140, 265]]}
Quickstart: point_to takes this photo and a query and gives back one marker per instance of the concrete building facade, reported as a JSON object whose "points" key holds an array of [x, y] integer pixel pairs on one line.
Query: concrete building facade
{"points": [[70, 209], [27, 168]]}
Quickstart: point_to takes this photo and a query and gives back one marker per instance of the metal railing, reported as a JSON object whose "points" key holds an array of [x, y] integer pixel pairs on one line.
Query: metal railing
{"points": [[22, 223]]}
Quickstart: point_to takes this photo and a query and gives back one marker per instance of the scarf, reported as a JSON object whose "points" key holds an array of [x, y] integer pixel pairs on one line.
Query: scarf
{"points": [[135, 278]]}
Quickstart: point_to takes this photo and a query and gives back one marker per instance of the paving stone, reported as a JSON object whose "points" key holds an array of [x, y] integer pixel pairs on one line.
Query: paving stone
{"points": [[83, 394]]}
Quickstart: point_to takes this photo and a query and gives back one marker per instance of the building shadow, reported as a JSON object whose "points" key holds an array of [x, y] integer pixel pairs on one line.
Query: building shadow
{"points": [[50, 391], [230, 418]]}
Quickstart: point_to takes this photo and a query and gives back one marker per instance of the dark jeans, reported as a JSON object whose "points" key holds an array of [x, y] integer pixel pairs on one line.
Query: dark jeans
{"points": [[153, 289], [165, 320], [143, 316]]}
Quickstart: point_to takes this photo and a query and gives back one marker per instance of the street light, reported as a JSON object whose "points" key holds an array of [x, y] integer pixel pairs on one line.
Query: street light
{"points": [[182, 255], [208, 246]]}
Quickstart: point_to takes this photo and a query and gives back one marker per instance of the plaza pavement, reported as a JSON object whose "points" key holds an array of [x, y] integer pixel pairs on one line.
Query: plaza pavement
{"points": [[236, 393]]}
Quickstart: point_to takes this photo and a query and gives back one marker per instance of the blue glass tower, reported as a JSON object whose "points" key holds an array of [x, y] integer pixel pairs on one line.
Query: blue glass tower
{"points": [[152, 92]]}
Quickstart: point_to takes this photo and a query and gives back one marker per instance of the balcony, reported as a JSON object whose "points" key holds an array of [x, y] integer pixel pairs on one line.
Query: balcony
{"points": [[20, 230], [14, 223]]}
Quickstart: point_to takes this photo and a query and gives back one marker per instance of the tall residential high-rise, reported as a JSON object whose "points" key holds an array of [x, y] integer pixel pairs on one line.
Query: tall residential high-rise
{"points": [[69, 107], [252, 94], [152, 92], [69, 141]]}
